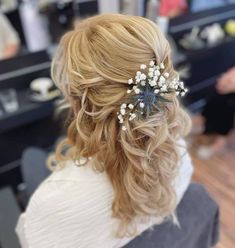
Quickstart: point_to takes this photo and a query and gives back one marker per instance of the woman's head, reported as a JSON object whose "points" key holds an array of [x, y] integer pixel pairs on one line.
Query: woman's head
{"points": [[92, 67]]}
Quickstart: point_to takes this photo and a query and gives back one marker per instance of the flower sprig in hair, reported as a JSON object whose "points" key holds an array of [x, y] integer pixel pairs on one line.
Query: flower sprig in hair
{"points": [[147, 89]]}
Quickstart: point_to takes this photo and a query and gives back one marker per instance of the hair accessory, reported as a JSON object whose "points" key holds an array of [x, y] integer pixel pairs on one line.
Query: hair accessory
{"points": [[147, 90]]}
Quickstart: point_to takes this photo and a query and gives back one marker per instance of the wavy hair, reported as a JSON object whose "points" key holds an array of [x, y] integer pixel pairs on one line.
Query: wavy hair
{"points": [[91, 67]]}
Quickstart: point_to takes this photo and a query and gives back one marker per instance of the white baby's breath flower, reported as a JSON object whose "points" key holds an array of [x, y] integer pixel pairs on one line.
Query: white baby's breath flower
{"points": [[151, 69], [142, 76], [162, 66], [158, 67], [159, 83], [138, 73], [123, 105], [120, 118], [132, 116], [166, 74], [152, 83], [181, 85], [143, 66], [142, 105], [151, 63], [150, 74], [177, 93], [156, 91], [122, 111], [130, 81], [157, 73], [137, 91], [137, 79], [130, 106], [128, 91], [164, 88], [162, 79], [124, 128], [143, 83], [155, 78]]}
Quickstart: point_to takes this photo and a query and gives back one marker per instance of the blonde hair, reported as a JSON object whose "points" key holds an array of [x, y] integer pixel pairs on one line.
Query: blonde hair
{"points": [[92, 66]]}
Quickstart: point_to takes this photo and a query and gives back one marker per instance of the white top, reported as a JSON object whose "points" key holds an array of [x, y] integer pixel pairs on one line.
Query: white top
{"points": [[72, 209]]}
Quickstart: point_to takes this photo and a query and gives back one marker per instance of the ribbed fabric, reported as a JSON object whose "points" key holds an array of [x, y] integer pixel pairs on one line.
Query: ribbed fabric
{"points": [[72, 209]]}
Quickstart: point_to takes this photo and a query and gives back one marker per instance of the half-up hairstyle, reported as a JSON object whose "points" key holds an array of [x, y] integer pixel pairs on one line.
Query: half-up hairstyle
{"points": [[92, 66]]}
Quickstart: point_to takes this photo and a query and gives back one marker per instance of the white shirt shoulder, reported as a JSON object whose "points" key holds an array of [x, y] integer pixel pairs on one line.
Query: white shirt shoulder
{"points": [[72, 208]]}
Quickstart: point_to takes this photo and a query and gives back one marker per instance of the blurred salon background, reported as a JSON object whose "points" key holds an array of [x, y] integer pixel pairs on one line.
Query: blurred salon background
{"points": [[202, 37]]}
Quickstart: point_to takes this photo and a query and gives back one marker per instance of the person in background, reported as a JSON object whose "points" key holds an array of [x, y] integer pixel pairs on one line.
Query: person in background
{"points": [[172, 8], [9, 40], [218, 115], [119, 171], [8, 5]]}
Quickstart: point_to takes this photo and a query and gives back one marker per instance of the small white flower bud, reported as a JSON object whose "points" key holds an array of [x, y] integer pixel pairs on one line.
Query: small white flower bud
{"points": [[166, 74], [143, 66], [156, 91], [162, 66], [142, 76], [155, 78], [132, 116], [162, 79], [120, 117], [151, 63], [164, 88], [122, 111], [181, 84], [130, 81], [137, 91], [150, 74], [124, 128], [157, 73], [152, 83], [130, 106], [142, 105]]}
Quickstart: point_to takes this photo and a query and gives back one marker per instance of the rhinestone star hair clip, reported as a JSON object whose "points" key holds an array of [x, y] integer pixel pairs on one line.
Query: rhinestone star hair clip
{"points": [[147, 90]]}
